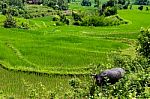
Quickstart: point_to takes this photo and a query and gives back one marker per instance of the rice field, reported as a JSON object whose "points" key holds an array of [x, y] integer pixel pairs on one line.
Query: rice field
{"points": [[62, 50]]}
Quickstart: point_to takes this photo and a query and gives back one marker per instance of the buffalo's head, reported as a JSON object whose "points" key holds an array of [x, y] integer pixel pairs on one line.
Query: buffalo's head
{"points": [[98, 79]]}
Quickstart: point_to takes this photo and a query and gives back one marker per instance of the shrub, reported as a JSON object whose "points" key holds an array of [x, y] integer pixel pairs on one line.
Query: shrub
{"points": [[144, 43], [79, 89], [58, 23], [56, 18], [14, 12], [93, 21], [78, 23], [77, 16], [102, 21], [67, 21], [10, 22], [24, 25], [110, 11], [26, 16], [133, 85], [20, 11]]}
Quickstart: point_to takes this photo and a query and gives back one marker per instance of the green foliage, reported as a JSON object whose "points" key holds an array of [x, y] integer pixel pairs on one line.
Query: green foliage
{"points": [[58, 23], [110, 11], [97, 3], [39, 92], [109, 8], [77, 16], [64, 19], [13, 12], [18, 3], [56, 18], [24, 25], [61, 18], [4, 5], [86, 3], [78, 88], [122, 2], [102, 21], [10, 22], [4, 11], [78, 23], [135, 84], [144, 43], [142, 2], [93, 21], [58, 4], [75, 82], [137, 78]]}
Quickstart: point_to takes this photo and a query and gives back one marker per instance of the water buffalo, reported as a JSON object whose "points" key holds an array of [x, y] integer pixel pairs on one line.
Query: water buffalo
{"points": [[113, 75]]}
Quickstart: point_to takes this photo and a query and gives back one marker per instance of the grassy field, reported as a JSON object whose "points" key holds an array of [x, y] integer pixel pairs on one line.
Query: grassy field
{"points": [[63, 49]]}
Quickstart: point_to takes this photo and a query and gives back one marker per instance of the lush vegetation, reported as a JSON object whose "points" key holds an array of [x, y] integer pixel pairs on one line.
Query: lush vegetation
{"points": [[46, 52]]}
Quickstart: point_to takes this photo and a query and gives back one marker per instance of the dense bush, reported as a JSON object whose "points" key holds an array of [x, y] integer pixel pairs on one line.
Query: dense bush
{"points": [[21, 11], [78, 23], [77, 16], [24, 25], [101, 21], [93, 21], [64, 19], [109, 8], [110, 11], [144, 43], [27, 16], [10, 22], [58, 23], [135, 84], [14, 12], [56, 18]]}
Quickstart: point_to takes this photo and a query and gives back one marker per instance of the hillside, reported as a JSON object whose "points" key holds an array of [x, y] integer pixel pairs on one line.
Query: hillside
{"points": [[62, 52]]}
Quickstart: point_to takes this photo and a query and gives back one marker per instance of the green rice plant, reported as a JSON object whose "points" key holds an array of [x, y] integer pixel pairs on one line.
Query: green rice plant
{"points": [[66, 50]]}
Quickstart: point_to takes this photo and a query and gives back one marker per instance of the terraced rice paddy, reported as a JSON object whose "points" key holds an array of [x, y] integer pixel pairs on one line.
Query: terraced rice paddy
{"points": [[63, 50]]}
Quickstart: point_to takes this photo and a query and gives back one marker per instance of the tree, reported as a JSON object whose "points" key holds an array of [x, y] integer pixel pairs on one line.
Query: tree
{"points": [[144, 43]]}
